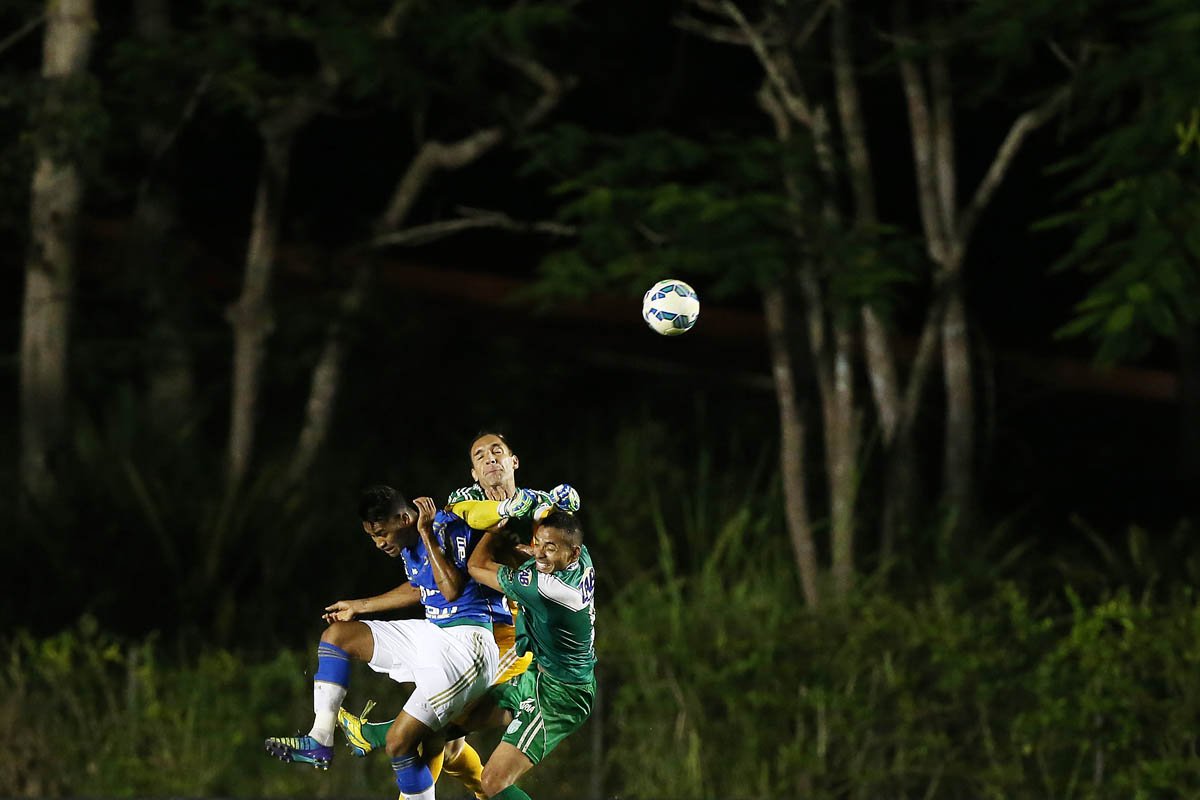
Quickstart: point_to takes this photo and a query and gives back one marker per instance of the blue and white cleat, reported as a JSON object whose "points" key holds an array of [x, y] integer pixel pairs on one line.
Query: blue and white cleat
{"points": [[300, 750]]}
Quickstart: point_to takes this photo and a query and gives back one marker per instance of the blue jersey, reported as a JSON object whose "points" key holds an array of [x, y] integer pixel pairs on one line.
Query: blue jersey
{"points": [[477, 604]]}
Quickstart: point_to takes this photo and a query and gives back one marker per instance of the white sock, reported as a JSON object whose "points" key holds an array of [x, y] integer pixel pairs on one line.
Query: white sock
{"points": [[425, 795], [327, 699]]}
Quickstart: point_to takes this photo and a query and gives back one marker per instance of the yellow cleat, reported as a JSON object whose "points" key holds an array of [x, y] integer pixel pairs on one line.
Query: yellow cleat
{"points": [[352, 728]]}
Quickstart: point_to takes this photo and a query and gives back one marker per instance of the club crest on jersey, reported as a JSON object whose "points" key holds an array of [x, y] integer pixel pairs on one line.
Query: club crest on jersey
{"points": [[524, 577]]}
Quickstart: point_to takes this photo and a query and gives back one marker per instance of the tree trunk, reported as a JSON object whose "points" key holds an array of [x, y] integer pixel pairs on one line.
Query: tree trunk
{"points": [[49, 268], [433, 157], [948, 230], [169, 369], [791, 443], [843, 463], [879, 356], [959, 461], [829, 336], [326, 374], [250, 316]]}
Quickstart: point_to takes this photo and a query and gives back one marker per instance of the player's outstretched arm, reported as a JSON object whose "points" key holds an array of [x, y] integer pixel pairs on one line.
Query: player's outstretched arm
{"points": [[403, 596], [449, 578], [484, 514], [483, 565]]}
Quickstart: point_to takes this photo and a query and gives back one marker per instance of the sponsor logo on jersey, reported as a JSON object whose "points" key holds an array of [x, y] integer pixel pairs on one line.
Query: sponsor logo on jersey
{"points": [[587, 586], [524, 577]]}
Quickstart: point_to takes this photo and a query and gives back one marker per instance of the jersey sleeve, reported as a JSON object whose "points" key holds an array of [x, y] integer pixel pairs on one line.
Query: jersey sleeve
{"points": [[515, 582], [472, 492], [504, 576], [478, 514], [456, 539]]}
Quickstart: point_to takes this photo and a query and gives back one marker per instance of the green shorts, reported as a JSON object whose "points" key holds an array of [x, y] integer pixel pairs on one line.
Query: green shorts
{"points": [[545, 710]]}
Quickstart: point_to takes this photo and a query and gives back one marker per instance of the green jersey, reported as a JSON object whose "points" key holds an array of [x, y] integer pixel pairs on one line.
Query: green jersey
{"points": [[558, 616]]}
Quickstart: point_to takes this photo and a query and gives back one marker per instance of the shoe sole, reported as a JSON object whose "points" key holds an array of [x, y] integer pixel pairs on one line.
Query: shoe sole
{"points": [[287, 755]]}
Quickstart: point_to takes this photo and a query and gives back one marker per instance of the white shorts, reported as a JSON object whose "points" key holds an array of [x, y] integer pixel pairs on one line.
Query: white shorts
{"points": [[450, 666]]}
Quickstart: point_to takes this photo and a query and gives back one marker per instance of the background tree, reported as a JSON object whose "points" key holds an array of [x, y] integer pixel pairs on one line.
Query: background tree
{"points": [[66, 122], [501, 38], [158, 96]]}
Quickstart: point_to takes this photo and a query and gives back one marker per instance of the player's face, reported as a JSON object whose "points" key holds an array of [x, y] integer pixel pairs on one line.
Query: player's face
{"points": [[492, 463], [392, 534], [551, 550]]}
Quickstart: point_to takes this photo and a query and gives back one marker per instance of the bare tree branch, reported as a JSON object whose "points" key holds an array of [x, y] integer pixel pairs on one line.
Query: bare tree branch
{"points": [[471, 219], [435, 155], [791, 98], [22, 32], [813, 23], [553, 87], [431, 157], [300, 108], [724, 34], [166, 141], [943, 138], [1024, 125], [922, 143], [1062, 56], [389, 26]]}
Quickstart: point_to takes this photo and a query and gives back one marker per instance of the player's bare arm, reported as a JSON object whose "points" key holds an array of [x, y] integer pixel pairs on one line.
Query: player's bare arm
{"points": [[482, 565], [403, 596], [449, 578]]}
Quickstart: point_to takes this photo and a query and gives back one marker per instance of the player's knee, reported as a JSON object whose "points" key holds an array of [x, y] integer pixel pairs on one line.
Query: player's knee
{"points": [[401, 737], [395, 746], [454, 747], [336, 633], [348, 636], [494, 781]]}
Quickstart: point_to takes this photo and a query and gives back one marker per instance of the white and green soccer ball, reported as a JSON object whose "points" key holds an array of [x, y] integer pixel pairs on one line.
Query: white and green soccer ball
{"points": [[671, 307]]}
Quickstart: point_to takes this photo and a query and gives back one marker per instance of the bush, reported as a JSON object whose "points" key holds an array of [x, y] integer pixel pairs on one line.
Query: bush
{"points": [[731, 689]]}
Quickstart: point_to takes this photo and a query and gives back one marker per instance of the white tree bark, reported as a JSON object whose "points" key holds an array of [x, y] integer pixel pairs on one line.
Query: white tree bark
{"points": [[250, 316], [56, 192], [948, 230], [791, 444]]}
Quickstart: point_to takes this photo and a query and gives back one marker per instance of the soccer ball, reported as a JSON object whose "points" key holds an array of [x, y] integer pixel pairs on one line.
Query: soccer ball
{"points": [[671, 307]]}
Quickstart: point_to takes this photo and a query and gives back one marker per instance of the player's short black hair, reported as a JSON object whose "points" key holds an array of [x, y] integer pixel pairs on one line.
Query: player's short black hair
{"points": [[488, 432], [566, 523], [379, 503]]}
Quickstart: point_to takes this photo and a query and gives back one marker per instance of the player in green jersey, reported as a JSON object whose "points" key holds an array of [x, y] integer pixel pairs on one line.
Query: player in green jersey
{"points": [[555, 591]]}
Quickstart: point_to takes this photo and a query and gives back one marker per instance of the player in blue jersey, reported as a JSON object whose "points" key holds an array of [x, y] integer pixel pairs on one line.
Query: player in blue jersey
{"points": [[450, 655]]}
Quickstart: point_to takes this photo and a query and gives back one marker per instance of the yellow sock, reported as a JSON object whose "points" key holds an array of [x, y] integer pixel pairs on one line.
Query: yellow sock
{"points": [[467, 767], [435, 765]]}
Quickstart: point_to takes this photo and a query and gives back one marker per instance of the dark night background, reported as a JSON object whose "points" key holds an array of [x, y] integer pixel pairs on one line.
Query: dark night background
{"points": [[1089, 443], [673, 442]]}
